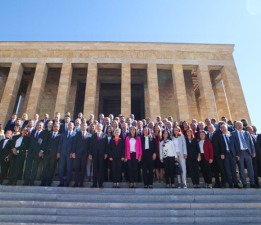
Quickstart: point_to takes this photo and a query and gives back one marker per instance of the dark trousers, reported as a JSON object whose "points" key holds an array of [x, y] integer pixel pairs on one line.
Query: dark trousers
{"points": [[169, 167], [80, 168], [4, 170], [31, 168], [98, 170], [218, 168], [125, 170], [206, 170], [193, 167], [106, 169], [133, 168], [16, 168], [49, 166], [65, 160], [147, 168], [254, 162], [230, 168], [116, 166]]}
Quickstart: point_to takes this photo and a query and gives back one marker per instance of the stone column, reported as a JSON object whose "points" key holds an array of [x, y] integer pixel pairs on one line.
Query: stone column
{"points": [[220, 98], [62, 99], [90, 90], [208, 108], [191, 97], [2, 83], [180, 94], [10, 92], [234, 93], [153, 91], [146, 100], [97, 100], [37, 89], [126, 89]]}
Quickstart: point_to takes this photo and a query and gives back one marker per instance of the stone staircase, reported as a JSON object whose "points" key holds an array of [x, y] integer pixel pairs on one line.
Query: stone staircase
{"points": [[61, 205]]}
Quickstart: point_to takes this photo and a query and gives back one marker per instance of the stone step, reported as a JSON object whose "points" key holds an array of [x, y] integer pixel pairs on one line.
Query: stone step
{"points": [[157, 205], [118, 198], [120, 220], [130, 212]]}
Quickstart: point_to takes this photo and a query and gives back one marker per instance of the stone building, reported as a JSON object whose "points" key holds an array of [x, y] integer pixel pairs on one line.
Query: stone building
{"points": [[148, 79]]}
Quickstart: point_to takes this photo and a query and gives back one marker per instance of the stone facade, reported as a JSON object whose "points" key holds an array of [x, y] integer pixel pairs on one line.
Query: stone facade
{"points": [[184, 81]]}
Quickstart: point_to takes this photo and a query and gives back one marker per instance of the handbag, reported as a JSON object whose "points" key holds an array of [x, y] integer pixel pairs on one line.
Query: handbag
{"points": [[178, 170]]}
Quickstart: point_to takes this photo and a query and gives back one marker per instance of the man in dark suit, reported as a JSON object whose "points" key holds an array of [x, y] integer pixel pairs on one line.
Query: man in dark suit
{"points": [[24, 120], [64, 152], [45, 120], [218, 164], [50, 155], [6, 146], [98, 153], [64, 126], [81, 150], [35, 153], [242, 142], [230, 156], [229, 127], [124, 130], [106, 123], [30, 127], [11, 123], [256, 161]]}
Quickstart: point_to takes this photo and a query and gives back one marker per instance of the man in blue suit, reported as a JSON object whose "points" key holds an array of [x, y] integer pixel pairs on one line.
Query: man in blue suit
{"points": [[229, 156], [81, 150], [243, 144], [64, 152]]}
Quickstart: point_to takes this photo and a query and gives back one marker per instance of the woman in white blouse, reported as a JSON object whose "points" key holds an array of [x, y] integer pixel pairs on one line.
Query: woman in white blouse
{"points": [[181, 150], [168, 156]]}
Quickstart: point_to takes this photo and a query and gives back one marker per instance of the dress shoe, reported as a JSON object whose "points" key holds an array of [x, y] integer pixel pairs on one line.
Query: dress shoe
{"points": [[257, 184], [49, 185], [25, 184], [244, 185], [43, 184], [93, 186], [60, 185], [118, 186], [150, 186], [101, 186], [66, 185], [237, 186], [9, 183], [254, 186], [231, 186], [217, 186], [114, 186], [75, 185], [145, 186], [32, 185], [223, 185], [81, 185], [14, 183]]}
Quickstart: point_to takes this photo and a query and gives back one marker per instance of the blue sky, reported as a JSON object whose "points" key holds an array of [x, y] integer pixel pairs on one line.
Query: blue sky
{"points": [[183, 21]]}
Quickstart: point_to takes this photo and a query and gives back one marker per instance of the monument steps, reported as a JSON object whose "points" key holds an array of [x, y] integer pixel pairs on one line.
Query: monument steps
{"points": [[66, 205]]}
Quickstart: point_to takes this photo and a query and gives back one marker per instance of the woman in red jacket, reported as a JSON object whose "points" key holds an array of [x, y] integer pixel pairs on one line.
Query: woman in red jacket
{"points": [[133, 153], [206, 151]]}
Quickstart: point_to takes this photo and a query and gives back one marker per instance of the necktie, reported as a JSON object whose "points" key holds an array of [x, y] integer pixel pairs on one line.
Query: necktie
{"points": [[53, 135], [36, 135], [98, 136], [227, 139], [254, 138], [243, 140], [66, 127], [83, 135], [29, 132], [210, 136], [69, 134]]}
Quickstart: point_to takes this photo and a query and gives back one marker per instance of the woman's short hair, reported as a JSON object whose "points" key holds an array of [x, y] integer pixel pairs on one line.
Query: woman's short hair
{"points": [[179, 134]]}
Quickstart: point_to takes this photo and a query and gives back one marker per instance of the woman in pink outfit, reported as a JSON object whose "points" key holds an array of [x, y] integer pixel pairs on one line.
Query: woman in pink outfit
{"points": [[133, 153]]}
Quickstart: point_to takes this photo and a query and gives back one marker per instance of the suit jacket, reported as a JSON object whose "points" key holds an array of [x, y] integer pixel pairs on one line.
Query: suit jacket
{"points": [[45, 124], [22, 148], [138, 147], [4, 152], [38, 144], [99, 147], [257, 144], [82, 146], [9, 126], [126, 134], [66, 143], [52, 144], [182, 144], [215, 143], [24, 123], [76, 129], [29, 135], [192, 149], [230, 128], [208, 150], [223, 147], [62, 128], [116, 151], [152, 145], [236, 142]]}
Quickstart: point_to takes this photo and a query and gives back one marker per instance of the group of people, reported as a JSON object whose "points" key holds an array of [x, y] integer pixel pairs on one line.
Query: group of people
{"points": [[118, 148]]}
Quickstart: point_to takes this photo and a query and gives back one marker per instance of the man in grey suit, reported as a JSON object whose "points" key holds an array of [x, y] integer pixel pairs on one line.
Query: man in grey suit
{"points": [[242, 143]]}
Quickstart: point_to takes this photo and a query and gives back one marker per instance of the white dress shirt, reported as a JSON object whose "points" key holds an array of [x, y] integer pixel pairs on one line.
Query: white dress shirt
{"points": [[241, 144], [18, 142], [5, 141], [132, 145], [176, 144], [201, 144], [147, 146]]}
